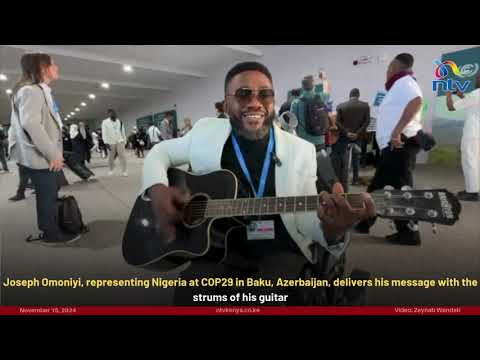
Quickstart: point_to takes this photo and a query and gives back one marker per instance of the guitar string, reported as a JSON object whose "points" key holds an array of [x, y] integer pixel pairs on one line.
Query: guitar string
{"points": [[203, 213], [201, 207], [217, 202], [214, 204]]}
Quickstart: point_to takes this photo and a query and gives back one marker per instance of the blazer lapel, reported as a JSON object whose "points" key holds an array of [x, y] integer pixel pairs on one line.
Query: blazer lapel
{"points": [[282, 178], [50, 108], [207, 150]]}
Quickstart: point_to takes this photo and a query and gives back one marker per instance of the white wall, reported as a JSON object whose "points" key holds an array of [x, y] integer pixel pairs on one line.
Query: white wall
{"points": [[290, 63]]}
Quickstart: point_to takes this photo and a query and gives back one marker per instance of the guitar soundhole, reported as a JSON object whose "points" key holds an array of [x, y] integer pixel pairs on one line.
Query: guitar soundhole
{"points": [[194, 213]]}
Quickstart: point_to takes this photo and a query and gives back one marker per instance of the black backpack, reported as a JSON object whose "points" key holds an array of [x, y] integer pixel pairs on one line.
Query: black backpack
{"points": [[70, 216], [316, 116]]}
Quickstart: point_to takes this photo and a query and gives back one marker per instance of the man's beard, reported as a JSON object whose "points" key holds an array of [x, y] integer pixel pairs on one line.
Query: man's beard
{"points": [[237, 124]]}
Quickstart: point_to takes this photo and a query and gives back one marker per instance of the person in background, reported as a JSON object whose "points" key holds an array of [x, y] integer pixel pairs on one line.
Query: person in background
{"points": [[187, 126], [113, 133], [353, 117], [88, 140], [220, 110], [294, 94], [470, 146], [95, 147], [141, 141], [166, 127], [154, 135], [3, 146], [398, 122], [101, 144], [79, 142], [327, 179], [37, 140]]}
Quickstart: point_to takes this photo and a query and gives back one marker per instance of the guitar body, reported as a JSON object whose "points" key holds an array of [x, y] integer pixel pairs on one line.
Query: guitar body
{"points": [[144, 244]]}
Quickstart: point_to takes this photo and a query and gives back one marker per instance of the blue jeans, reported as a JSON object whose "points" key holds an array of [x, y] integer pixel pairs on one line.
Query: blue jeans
{"points": [[46, 189]]}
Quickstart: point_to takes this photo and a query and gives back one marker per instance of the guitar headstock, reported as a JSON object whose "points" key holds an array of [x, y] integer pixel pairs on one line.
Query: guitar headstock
{"points": [[437, 206]]}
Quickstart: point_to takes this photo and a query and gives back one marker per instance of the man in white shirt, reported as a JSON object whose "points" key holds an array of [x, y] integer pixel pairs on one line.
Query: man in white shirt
{"points": [[398, 123], [153, 135], [113, 133], [470, 146]]}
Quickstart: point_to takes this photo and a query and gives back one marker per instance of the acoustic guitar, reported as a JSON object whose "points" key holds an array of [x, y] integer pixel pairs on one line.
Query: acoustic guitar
{"points": [[204, 232]]}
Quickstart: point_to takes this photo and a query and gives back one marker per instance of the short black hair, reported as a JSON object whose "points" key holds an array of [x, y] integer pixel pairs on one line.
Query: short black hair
{"points": [[355, 93], [246, 66], [405, 59], [295, 92], [219, 106]]}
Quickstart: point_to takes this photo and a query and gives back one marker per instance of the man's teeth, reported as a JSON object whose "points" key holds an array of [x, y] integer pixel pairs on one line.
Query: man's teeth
{"points": [[253, 116]]}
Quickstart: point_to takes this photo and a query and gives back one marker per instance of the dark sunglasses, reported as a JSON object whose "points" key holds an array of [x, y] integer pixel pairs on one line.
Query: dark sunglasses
{"points": [[246, 95]]}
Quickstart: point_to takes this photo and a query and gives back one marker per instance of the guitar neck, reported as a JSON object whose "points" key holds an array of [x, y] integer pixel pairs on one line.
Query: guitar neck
{"points": [[271, 205]]}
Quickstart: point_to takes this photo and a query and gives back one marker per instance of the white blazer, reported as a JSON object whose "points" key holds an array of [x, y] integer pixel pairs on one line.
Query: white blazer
{"points": [[202, 148]]}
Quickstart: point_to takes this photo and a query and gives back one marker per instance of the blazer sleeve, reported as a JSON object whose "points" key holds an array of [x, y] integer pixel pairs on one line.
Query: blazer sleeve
{"points": [[30, 113], [166, 154]]}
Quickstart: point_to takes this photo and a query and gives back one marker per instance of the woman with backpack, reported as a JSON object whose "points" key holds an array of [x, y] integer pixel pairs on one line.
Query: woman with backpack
{"points": [[37, 134]]}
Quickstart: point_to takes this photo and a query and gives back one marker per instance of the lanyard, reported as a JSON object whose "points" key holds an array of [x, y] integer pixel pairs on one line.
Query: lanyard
{"points": [[266, 164]]}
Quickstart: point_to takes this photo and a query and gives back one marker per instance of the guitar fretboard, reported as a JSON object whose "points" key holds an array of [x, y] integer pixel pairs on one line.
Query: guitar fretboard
{"points": [[271, 205]]}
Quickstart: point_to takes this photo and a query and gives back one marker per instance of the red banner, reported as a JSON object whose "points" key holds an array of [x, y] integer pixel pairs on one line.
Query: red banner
{"points": [[240, 310]]}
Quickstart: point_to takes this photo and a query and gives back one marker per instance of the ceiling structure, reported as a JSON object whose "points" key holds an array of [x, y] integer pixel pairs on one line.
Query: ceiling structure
{"points": [[156, 71]]}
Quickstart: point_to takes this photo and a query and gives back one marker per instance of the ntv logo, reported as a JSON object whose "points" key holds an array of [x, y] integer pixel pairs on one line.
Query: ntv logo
{"points": [[441, 72]]}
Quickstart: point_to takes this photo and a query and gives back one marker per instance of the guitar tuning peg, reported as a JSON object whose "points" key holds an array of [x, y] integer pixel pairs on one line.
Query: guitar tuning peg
{"points": [[406, 188], [413, 226], [388, 188], [434, 229]]}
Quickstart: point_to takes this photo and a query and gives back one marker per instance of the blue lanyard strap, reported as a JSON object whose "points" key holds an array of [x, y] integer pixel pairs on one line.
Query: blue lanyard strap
{"points": [[266, 164]]}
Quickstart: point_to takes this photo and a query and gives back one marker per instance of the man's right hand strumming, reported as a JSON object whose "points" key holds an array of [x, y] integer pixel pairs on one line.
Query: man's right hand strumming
{"points": [[167, 205]]}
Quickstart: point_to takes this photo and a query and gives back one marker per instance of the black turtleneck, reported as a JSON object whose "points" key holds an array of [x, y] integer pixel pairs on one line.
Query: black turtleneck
{"points": [[254, 154]]}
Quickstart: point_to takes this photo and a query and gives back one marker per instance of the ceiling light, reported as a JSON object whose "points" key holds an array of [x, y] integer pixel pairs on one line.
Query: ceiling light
{"points": [[72, 113], [77, 109], [83, 104], [127, 68], [3, 77], [91, 96], [106, 85], [8, 91]]}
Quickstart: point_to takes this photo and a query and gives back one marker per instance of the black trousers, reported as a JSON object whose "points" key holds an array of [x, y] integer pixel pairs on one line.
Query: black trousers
{"points": [[340, 166], [395, 168], [3, 159], [46, 185], [24, 178]]}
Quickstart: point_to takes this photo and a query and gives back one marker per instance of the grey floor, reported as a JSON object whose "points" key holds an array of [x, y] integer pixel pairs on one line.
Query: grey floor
{"points": [[106, 204]]}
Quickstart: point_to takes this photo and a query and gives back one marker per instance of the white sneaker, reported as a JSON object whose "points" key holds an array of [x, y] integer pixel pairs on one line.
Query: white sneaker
{"points": [[110, 173], [125, 174]]}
